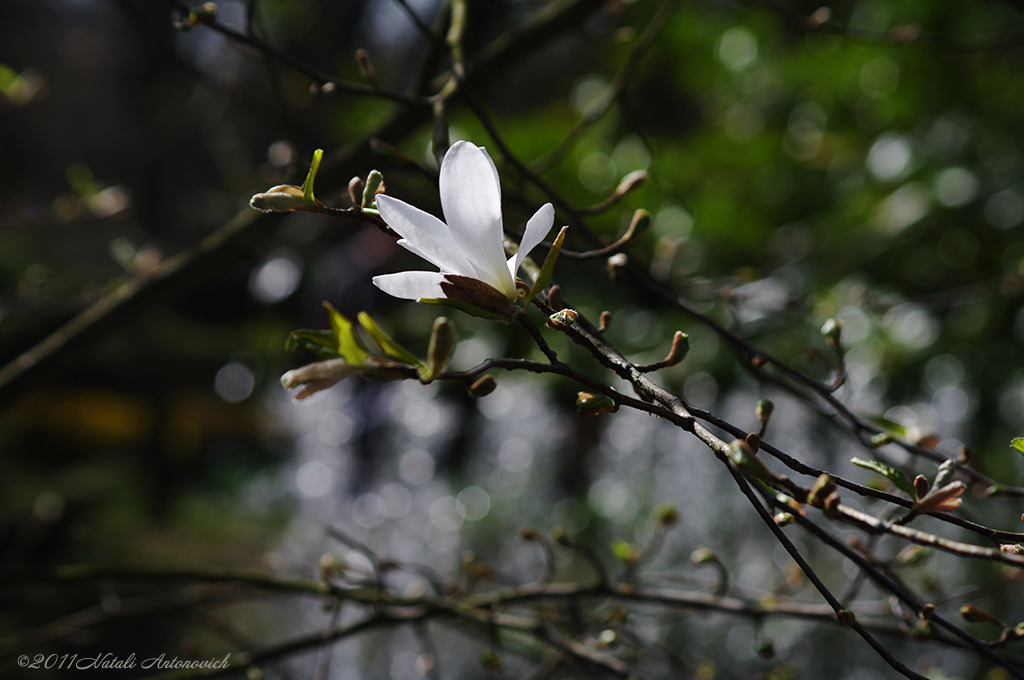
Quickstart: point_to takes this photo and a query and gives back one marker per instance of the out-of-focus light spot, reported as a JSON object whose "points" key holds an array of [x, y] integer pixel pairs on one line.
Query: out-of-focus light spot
{"points": [[597, 172], [1004, 209], [281, 153], [498, 404], [515, 454], [631, 154], [571, 514], [802, 140], [445, 515], [673, 221], [234, 382], [889, 158], [335, 428], [911, 326], [473, 503], [951, 403], [700, 389], [743, 122], [879, 76], [422, 418], [397, 500], [737, 48], [277, 278], [940, 371], [902, 208], [614, 499], [856, 325], [48, 506], [958, 247], [586, 92], [313, 479], [955, 187], [945, 138], [793, 240], [416, 466], [367, 510]]}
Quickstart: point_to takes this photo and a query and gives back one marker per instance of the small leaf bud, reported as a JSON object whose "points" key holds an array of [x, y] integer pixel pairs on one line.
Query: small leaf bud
{"points": [[765, 408], [965, 455], [562, 319], [355, 190], [606, 319], [823, 486], [666, 514], [946, 471], [626, 553], [555, 298], [831, 505], [972, 614], [615, 264], [704, 556], [927, 611], [490, 661], [846, 617], [758, 361], [560, 536], [529, 533], [818, 17], [832, 330], [630, 182], [1012, 548], [483, 386], [921, 486], [753, 441], [942, 499], [881, 439], [783, 519], [365, 66], [330, 566], [589, 404], [374, 186], [912, 554]]}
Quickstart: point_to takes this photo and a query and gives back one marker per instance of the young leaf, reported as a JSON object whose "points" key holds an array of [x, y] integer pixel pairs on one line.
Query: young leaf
{"points": [[894, 475], [1018, 443], [386, 343], [350, 347], [321, 343], [307, 186], [548, 268]]}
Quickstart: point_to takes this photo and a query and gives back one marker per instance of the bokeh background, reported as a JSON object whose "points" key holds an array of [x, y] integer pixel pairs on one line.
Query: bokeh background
{"points": [[860, 162]]}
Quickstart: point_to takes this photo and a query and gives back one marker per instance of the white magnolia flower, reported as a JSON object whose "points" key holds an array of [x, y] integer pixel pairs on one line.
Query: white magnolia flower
{"points": [[468, 248]]}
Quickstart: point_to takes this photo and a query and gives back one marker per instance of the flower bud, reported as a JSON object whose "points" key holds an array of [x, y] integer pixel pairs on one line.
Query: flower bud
{"points": [[442, 344], [282, 198]]}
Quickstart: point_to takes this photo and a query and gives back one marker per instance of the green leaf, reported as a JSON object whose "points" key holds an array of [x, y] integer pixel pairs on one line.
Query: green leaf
{"points": [[386, 343], [1018, 443], [350, 346], [889, 425], [894, 475], [544, 277], [307, 186], [321, 343]]}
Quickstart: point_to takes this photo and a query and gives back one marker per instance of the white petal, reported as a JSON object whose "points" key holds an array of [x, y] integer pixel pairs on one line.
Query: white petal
{"points": [[412, 285], [536, 229], [425, 235], [471, 200]]}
